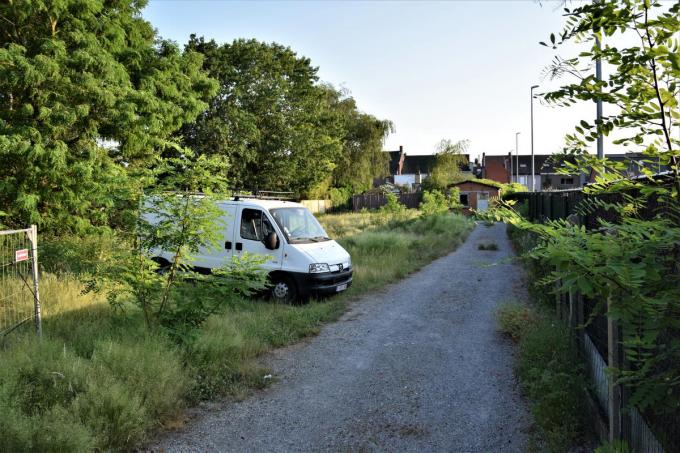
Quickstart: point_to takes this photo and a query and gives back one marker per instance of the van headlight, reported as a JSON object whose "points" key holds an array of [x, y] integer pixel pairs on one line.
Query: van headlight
{"points": [[317, 268]]}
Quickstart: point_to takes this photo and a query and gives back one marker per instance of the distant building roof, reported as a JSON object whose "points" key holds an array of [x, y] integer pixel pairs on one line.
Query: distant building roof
{"points": [[418, 164], [636, 162], [404, 164]]}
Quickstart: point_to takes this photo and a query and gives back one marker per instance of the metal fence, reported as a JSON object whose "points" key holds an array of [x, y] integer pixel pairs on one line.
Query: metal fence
{"points": [[376, 200], [19, 296], [627, 422]]}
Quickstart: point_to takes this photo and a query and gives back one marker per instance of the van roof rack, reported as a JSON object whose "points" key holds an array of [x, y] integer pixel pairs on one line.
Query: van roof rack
{"points": [[263, 194]]}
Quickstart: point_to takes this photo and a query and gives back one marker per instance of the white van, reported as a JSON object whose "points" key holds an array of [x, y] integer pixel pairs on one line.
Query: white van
{"points": [[303, 260]]}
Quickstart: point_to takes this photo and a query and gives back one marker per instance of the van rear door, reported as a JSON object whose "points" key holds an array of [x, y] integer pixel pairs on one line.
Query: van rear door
{"points": [[253, 225]]}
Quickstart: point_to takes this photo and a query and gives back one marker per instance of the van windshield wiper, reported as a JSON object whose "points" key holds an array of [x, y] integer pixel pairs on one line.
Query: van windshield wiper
{"points": [[313, 239]]}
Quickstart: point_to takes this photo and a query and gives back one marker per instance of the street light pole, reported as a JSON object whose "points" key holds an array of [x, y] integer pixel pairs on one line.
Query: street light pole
{"points": [[533, 171], [598, 76], [517, 156]]}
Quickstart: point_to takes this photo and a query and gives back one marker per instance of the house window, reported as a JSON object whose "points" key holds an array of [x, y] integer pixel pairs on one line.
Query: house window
{"points": [[464, 200], [565, 181]]}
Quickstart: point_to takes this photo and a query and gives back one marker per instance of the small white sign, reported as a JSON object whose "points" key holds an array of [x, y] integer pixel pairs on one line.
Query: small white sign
{"points": [[20, 255], [341, 287]]}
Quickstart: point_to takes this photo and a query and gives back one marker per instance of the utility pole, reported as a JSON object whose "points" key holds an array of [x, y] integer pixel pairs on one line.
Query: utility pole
{"points": [[517, 156], [598, 76], [533, 170]]}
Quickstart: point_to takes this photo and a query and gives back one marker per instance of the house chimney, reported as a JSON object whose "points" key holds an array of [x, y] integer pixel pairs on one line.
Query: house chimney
{"points": [[400, 167]]}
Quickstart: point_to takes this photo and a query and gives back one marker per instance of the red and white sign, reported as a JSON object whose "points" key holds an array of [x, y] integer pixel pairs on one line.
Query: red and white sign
{"points": [[20, 255]]}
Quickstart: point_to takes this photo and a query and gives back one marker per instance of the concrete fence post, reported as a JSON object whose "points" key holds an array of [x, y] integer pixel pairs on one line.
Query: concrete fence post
{"points": [[33, 238], [614, 363]]}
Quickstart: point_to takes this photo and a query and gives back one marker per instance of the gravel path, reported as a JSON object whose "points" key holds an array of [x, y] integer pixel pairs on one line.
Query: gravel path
{"points": [[418, 366]]}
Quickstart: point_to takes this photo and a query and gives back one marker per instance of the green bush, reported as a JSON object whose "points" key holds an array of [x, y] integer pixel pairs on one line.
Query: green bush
{"points": [[76, 254], [393, 206], [340, 197], [434, 202]]}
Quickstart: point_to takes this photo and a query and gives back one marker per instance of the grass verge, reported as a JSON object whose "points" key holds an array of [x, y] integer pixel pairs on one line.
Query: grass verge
{"points": [[547, 364], [99, 380]]}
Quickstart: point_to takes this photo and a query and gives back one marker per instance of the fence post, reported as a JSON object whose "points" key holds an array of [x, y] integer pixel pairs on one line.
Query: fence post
{"points": [[558, 297], [613, 363], [33, 237], [580, 321]]}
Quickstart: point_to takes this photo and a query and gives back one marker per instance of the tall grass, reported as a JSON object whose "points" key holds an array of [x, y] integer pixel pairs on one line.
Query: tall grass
{"points": [[547, 363], [99, 380]]}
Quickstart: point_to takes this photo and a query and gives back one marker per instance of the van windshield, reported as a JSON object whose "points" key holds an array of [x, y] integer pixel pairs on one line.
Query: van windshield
{"points": [[299, 225]]}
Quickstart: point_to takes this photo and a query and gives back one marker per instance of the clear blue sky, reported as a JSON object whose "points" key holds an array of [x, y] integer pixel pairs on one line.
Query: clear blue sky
{"points": [[458, 70]]}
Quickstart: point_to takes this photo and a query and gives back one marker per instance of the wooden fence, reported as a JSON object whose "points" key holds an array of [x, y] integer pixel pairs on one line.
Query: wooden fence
{"points": [[376, 200], [317, 206]]}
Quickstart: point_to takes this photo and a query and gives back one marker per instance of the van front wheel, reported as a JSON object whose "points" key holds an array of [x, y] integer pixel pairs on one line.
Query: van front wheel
{"points": [[283, 290]]}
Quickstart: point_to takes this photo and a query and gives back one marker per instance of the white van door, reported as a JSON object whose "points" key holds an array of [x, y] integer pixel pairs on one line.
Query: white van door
{"points": [[219, 256], [253, 226]]}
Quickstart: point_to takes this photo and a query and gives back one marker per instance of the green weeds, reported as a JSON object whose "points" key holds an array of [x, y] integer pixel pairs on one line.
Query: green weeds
{"points": [[547, 363], [99, 380], [487, 246]]}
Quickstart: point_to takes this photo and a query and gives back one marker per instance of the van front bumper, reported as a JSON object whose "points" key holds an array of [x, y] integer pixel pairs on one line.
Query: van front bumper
{"points": [[322, 284]]}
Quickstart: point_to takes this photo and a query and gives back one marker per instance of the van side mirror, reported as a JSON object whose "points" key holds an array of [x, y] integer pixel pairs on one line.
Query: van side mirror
{"points": [[271, 241]]}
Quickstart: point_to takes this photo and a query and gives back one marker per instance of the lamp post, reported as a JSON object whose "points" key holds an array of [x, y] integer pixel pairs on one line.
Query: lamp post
{"points": [[517, 156], [533, 171]]}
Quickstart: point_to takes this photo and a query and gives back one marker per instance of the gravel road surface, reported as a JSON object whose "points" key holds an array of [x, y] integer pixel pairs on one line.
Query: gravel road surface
{"points": [[418, 366]]}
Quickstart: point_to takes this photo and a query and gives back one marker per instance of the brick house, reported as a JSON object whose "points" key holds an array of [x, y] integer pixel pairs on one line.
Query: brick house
{"points": [[505, 168], [475, 195], [411, 170]]}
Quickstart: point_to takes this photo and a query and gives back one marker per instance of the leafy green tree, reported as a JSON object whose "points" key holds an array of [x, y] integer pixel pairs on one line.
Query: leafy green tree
{"points": [[363, 136], [643, 81], [450, 158], [269, 117], [176, 220], [434, 203], [87, 92]]}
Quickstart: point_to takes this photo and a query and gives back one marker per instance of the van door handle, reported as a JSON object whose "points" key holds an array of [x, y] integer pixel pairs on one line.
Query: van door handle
{"points": [[227, 245], [239, 246]]}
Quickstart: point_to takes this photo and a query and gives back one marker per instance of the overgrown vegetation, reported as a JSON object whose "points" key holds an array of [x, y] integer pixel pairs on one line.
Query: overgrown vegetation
{"points": [[436, 202], [99, 379], [628, 256], [547, 363], [92, 101], [552, 378]]}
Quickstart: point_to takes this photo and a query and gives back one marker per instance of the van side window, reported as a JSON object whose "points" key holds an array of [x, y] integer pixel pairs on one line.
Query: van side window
{"points": [[251, 224]]}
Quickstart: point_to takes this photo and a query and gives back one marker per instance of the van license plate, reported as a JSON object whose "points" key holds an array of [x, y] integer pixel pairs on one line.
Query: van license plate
{"points": [[341, 288]]}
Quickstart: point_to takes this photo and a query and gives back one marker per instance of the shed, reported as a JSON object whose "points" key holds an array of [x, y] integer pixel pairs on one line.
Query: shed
{"points": [[476, 194]]}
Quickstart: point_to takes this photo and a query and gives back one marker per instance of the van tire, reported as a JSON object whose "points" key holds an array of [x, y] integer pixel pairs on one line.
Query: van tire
{"points": [[283, 290]]}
